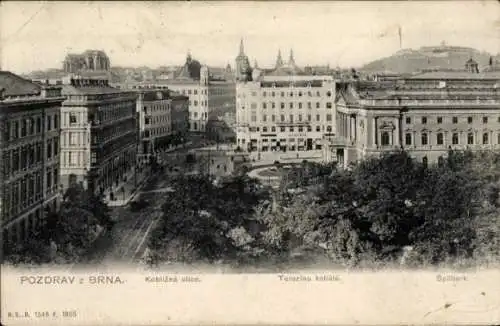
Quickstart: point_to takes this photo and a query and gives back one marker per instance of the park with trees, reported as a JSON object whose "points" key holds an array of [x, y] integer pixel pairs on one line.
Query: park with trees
{"points": [[384, 211]]}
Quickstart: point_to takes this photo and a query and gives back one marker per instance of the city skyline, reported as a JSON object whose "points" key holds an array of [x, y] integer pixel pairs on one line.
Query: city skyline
{"points": [[37, 36]]}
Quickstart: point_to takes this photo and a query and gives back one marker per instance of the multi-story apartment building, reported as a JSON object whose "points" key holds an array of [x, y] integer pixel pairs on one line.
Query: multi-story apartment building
{"points": [[163, 121], [208, 97], [98, 133], [427, 115], [29, 144], [154, 109]]}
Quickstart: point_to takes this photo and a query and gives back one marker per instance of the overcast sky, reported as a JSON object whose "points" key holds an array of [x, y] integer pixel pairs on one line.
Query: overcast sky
{"points": [[38, 35]]}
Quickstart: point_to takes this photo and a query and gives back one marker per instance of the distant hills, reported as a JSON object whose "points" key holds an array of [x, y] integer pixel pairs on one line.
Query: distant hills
{"points": [[442, 57]]}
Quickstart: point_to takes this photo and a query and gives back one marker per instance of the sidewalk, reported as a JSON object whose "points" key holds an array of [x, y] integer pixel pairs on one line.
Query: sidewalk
{"points": [[122, 198]]}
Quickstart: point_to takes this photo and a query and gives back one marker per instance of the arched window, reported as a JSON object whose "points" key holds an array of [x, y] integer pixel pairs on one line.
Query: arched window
{"points": [[385, 138], [329, 128], [485, 138], [195, 126]]}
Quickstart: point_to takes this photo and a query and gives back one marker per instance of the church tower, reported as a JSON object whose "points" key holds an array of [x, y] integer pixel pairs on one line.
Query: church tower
{"points": [[279, 60], [291, 60], [242, 64]]}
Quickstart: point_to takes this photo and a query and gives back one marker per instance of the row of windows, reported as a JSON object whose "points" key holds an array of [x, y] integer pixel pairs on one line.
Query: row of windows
{"points": [[73, 158], [195, 103], [283, 105], [111, 112], [25, 157], [291, 117], [157, 119], [117, 145], [194, 126], [440, 140], [291, 129], [74, 139], [156, 132], [113, 131], [194, 115], [154, 108], [25, 192], [29, 126], [454, 120], [299, 117], [291, 94], [194, 92]]}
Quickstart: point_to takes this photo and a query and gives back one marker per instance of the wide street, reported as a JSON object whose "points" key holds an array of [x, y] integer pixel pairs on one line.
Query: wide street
{"points": [[126, 242]]}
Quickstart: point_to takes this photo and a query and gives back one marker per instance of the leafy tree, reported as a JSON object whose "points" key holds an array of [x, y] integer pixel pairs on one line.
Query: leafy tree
{"points": [[67, 233], [386, 187], [203, 216]]}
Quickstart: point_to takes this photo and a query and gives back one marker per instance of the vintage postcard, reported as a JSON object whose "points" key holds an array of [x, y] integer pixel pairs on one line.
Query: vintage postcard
{"points": [[203, 163]]}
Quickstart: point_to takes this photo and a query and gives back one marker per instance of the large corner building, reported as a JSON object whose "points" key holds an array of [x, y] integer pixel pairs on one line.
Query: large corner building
{"points": [[30, 148], [98, 133], [283, 109]]}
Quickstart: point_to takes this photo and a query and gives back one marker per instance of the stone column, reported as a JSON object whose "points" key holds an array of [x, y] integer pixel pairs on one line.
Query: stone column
{"points": [[396, 135]]}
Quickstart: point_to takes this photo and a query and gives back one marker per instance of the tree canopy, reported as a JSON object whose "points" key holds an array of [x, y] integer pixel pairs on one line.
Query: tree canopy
{"points": [[372, 212], [67, 233]]}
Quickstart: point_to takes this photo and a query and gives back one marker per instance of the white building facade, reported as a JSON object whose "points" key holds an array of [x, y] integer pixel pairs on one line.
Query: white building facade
{"points": [[285, 113]]}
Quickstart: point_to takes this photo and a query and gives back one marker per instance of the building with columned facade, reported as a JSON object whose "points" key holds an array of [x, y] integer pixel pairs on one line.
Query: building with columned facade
{"points": [[30, 148], [426, 114]]}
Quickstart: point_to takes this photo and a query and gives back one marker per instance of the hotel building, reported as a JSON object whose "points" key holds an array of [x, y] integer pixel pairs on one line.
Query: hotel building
{"points": [[427, 114], [29, 143], [98, 133], [284, 110]]}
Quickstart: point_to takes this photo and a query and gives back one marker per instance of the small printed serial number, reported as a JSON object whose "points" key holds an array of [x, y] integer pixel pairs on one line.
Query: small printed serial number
{"points": [[43, 314]]}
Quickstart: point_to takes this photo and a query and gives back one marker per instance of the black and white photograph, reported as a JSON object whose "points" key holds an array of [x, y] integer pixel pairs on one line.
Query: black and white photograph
{"points": [[305, 140]]}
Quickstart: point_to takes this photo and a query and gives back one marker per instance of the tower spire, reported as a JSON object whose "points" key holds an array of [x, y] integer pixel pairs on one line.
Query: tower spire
{"points": [[291, 60], [279, 60], [242, 48]]}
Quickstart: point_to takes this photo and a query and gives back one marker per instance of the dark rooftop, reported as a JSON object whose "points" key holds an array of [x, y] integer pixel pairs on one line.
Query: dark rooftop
{"points": [[15, 85], [156, 95]]}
